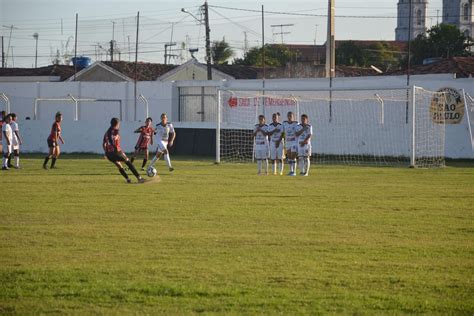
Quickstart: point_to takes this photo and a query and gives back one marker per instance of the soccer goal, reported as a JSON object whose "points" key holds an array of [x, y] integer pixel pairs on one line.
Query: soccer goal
{"points": [[76, 102], [373, 126]]}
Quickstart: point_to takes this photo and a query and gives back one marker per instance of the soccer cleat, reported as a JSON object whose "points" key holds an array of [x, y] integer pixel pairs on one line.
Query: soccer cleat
{"points": [[141, 180], [305, 175], [5, 168], [142, 169], [129, 181], [293, 174], [302, 173], [17, 167], [171, 169], [45, 167]]}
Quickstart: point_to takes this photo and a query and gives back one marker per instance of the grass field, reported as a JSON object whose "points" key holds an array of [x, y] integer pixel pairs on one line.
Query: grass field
{"points": [[220, 239]]}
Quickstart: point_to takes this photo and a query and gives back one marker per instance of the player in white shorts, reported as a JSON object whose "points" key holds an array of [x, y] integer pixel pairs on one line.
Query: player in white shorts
{"points": [[260, 133], [304, 132], [17, 141], [7, 141], [275, 132], [165, 136], [291, 144]]}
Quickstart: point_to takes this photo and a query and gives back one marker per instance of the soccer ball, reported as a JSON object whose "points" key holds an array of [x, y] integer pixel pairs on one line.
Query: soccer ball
{"points": [[151, 172]]}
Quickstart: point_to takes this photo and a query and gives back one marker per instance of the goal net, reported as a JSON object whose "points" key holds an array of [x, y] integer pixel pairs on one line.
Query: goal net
{"points": [[355, 127]]}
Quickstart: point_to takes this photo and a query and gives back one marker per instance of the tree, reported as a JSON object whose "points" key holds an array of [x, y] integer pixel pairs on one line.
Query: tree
{"points": [[442, 40], [276, 55], [350, 54], [379, 54], [221, 52]]}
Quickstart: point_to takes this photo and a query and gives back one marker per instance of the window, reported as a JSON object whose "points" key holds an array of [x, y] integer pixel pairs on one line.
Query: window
{"points": [[465, 12], [419, 19]]}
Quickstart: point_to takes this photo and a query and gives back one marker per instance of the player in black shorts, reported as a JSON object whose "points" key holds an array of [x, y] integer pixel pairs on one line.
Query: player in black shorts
{"points": [[114, 153]]}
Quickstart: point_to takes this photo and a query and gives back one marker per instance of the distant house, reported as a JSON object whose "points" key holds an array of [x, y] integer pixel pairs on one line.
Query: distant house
{"points": [[53, 73], [460, 67], [117, 71], [316, 54]]}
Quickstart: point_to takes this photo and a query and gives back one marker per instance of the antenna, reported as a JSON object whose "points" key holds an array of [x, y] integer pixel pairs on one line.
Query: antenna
{"points": [[281, 26]]}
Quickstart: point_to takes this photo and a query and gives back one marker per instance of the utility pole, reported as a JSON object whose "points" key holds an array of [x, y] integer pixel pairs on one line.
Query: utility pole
{"points": [[11, 27], [166, 51], [3, 55], [246, 43], [112, 50], [315, 51], [208, 41], [281, 26], [35, 36], [129, 49], [330, 43]]}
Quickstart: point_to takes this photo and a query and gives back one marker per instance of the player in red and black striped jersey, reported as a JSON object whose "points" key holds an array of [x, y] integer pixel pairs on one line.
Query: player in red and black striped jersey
{"points": [[114, 153], [144, 140], [52, 140]]}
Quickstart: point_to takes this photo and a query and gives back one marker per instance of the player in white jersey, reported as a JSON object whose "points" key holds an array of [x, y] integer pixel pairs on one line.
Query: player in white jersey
{"points": [[304, 133], [17, 141], [275, 132], [291, 144], [7, 141], [165, 136], [260, 133]]}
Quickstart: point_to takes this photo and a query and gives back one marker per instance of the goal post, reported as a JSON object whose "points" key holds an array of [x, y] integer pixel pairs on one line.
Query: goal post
{"points": [[355, 126]]}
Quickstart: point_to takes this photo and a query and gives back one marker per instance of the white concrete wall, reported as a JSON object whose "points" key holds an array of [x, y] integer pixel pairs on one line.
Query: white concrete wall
{"points": [[86, 135]]}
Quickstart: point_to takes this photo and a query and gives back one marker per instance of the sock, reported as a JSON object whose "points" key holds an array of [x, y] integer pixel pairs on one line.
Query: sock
{"points": [[266, 166], [132, 159], [144, 163], [132, 169], [46, 159], [308, 163], [301, 161], [4, 162], [274, 166], [259, 166], [53, 162], [292, 165], [168, 161], [153, 161], [9, 161], [123, 173], [17, 161], [280, 164]]}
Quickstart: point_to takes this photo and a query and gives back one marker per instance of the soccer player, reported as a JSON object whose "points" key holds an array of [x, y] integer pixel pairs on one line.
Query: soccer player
{"points": [[53, 139], [145, 139], [114, 153], [7, 141], [291, 144], [260, 132], [304, 132], [3, 114], [17, 141], [166, 135], [275, 131]]}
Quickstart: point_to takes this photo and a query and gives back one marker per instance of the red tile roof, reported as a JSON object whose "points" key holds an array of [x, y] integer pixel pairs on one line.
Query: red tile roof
{"points": [[463, 67], [145, 71], [62, 71]]}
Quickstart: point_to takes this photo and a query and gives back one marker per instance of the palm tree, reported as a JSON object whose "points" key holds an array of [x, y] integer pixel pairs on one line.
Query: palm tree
{"points": [[221, 52]]}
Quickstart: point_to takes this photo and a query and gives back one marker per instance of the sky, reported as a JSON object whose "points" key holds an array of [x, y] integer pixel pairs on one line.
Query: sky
{"points": [[161, 22]]}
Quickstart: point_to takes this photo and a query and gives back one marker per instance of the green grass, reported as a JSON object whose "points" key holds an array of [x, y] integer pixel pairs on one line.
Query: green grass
{"points": [[219, 239]]}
